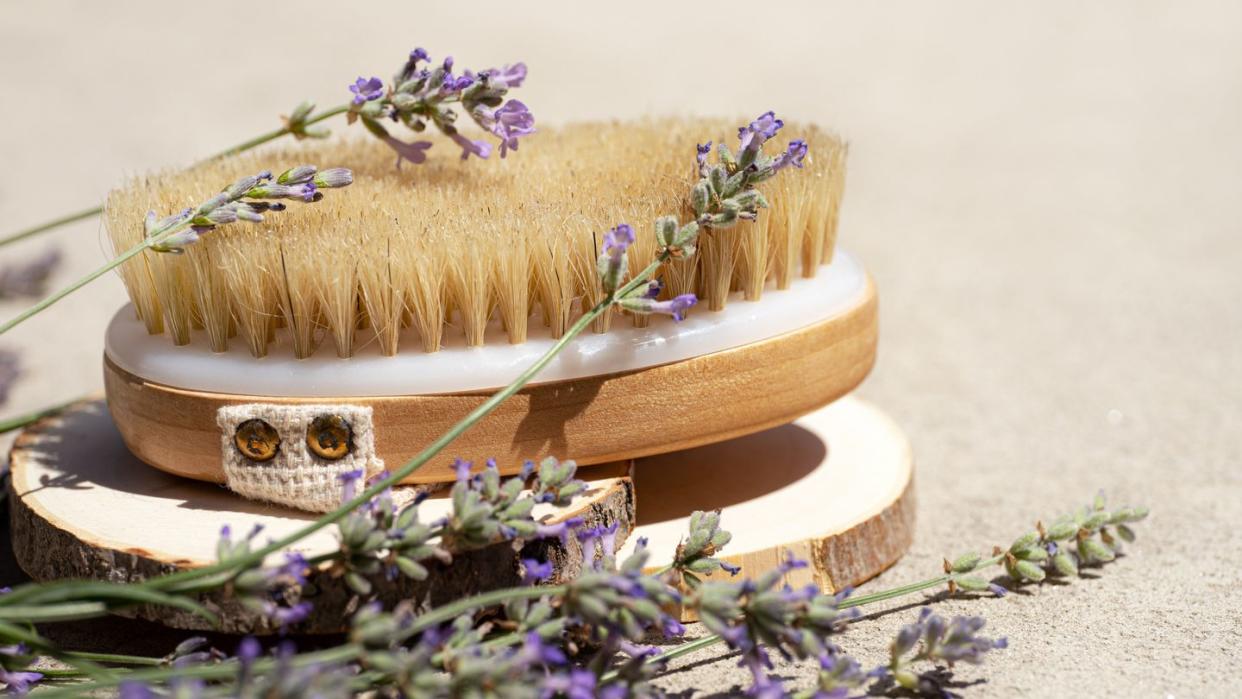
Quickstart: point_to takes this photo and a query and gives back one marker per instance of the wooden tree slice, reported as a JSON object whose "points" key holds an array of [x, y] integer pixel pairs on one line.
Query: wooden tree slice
{"points": [[82, 506], [834, 489]]}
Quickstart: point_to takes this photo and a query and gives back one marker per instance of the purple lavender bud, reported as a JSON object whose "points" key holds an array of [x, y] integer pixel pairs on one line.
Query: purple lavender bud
{"points": [[461, 469], [997, 590], [612, 262], [541, 653], [366, 90], [509, 122], [248, 651], [650, 290], [334, 178], [701, 158], [306, 192], [730, 568], [448, 64], [905, 640], [415, 152], [608, 539], [297, 175], [560, 530], [481, 149], [671, 627], [676, 306], [753, 135], [177, 241], [349, 484], [533, 571], [131, 689], [19, 683], [618, 240], [454, 84], [287, 616], [793, 155]]}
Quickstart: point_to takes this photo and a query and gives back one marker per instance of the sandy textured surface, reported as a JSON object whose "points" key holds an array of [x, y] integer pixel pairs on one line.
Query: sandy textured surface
{"points": [[1048, 198]]}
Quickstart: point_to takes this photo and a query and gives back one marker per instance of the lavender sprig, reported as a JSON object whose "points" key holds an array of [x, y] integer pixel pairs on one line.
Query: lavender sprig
{"points": [[695, 555], [423, 93], [938, 641], [246, 199], [1095, 533]]}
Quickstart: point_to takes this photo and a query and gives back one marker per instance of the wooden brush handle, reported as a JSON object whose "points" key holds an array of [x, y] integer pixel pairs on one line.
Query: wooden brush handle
{"points": [[592, 420]]}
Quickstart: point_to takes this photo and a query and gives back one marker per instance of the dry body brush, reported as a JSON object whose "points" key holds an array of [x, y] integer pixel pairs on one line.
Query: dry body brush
{"points": [[406, 255]]}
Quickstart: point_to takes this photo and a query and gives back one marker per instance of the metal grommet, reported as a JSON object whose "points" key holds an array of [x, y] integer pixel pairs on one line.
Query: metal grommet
{"points": [[257, 440], [330, 437]]}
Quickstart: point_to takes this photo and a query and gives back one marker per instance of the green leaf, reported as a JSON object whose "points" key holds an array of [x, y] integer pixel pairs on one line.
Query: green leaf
{"points": [[1065, 564]]}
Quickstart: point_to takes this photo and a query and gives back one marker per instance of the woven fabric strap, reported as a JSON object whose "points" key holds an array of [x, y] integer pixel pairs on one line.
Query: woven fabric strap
{"points": [[296, 476]]}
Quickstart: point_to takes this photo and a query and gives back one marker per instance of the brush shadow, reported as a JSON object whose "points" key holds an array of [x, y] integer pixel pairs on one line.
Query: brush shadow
{"points": [[675, 484]]}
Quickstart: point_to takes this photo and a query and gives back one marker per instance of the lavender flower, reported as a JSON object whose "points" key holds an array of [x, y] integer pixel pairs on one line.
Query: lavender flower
{"points": [[480, 149], [840, 675], [675, 307], [426, 94], [556, 483], [938, 641], [366, 90], [612, 261], [510, 122], [29, 278], [15, 677], [752, 136], [507, 77], [793, 155], [10, 370], [703, 150], [695, 554], [754, 613], [533, 571], [349, 484]]}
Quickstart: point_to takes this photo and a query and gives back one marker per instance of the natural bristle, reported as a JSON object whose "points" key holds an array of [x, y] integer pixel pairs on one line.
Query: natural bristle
{"points": [[403, 256]]}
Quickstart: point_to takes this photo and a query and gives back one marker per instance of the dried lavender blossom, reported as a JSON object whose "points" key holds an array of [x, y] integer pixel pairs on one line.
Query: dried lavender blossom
{"points": [[1095, 533], [10, 370], [695, 555], [422, 93], [937, 641], [29, 278], [246, 199]]}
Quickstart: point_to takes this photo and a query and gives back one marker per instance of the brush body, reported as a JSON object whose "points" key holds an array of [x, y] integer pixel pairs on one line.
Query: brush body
{"points": [[773, 360]]}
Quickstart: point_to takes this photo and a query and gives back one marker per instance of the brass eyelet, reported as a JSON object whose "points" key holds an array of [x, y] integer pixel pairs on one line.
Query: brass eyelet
{"points": [[257, 440], [330, 437]]}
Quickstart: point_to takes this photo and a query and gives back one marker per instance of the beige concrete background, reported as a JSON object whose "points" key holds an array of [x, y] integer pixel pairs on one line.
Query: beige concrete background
{"points": [[1046, 193]]}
